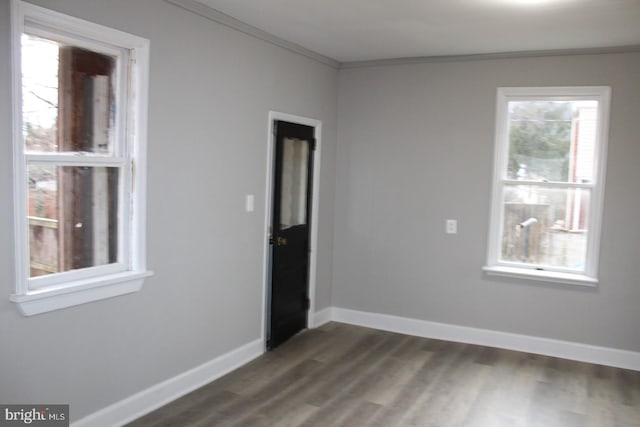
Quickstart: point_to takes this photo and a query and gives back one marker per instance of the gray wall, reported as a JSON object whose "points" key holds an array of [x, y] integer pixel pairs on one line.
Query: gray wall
{"points": [[416, 148], [210, 92]]}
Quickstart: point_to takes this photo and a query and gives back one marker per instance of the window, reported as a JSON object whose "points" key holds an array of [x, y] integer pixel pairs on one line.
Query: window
{"points": [[548, 183], [79, 145]]}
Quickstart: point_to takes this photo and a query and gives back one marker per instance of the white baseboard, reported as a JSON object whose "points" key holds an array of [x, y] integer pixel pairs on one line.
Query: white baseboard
{"points": [[321, 317], [160, 394], [530, 344]]}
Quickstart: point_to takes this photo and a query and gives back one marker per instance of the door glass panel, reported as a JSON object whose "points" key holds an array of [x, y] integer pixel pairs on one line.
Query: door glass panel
{"points": [[293, 202]]}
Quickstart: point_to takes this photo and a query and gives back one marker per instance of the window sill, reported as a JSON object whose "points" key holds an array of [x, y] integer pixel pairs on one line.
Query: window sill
{"points": [[544, 276], [80, 292]]}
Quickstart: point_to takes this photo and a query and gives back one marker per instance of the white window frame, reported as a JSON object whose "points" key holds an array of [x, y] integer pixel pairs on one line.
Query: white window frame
{"points": [[589, 275], [59, 290]]}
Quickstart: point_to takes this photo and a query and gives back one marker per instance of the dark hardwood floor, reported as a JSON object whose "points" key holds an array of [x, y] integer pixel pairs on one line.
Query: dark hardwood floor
{"points": [[342, 375]]}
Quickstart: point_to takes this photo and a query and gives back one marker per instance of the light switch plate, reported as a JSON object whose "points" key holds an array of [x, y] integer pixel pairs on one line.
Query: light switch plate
{"points": [[249, 203]]}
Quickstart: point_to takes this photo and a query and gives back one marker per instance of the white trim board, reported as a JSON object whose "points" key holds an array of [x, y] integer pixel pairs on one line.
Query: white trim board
{"points": [[145, 401], [160, 394], [548, 347], [489, 56], [199, 8], [322, 317]]}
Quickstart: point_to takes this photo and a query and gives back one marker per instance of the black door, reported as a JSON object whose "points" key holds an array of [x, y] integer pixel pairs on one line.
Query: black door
{"points": [[289, 290]]}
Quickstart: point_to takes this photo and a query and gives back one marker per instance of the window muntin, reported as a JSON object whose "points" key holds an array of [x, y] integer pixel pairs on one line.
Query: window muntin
{"points": [[79, 125], [547, 198]]}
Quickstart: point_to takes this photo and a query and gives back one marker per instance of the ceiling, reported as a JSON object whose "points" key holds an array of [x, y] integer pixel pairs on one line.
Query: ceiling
{"points": [[362, 30]]}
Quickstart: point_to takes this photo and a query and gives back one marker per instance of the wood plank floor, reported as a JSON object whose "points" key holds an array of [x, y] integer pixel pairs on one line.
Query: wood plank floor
{"points": [[343, 375]]}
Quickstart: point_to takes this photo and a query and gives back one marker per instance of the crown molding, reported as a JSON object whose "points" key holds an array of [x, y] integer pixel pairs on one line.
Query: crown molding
{"points": [[212, 14], [490, 56], [231, 22]]}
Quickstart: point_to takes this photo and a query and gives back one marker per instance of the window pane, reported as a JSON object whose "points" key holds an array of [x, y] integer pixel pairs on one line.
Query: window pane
{"points": [[545, 226], [552, 140], [67, 97], [72, 218], [293, 202]]}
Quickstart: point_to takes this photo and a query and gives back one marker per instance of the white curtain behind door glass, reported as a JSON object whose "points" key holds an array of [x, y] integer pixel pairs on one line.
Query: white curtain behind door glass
{"points": [[293, 203]]}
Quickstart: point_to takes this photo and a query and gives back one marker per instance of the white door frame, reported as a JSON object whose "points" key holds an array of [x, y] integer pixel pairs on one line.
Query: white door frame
{"points": [[315, 191]]}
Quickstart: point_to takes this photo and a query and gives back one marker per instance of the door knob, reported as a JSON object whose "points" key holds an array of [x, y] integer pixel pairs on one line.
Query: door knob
{"points": [[281, 241]]}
